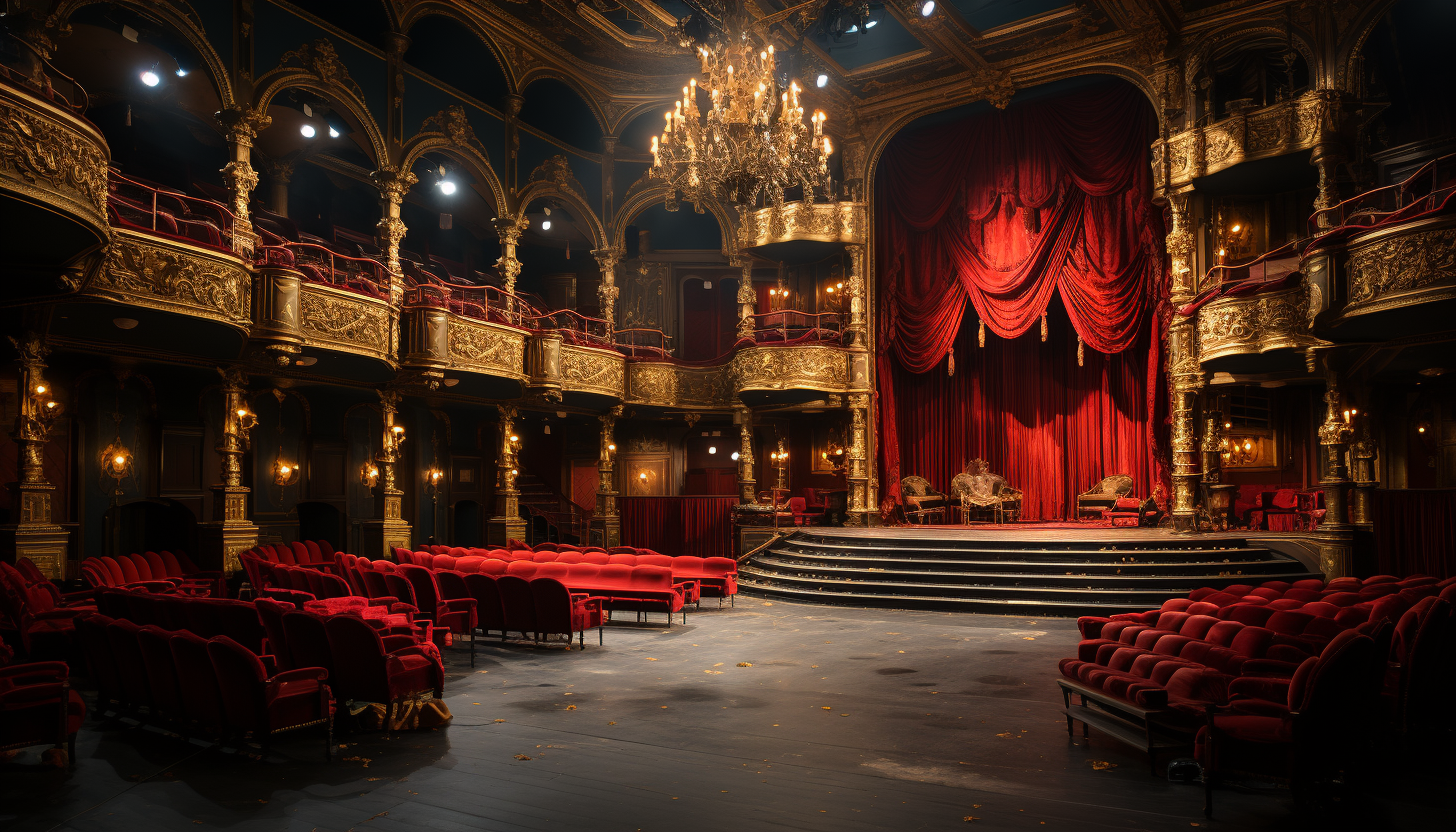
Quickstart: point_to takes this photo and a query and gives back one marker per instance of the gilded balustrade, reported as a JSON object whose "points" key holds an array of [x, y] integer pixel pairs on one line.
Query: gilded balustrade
{"points": [[172, 276], [1280, 128], [1255, 324]]}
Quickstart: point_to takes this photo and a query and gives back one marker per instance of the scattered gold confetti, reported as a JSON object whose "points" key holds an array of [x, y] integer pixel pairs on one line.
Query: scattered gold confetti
{"points": [[826, 708], [766, 604], [970, 818], [1102, 765], [745, 664], [570, 707], [473, 703], [611, 723], [650, 659], [522, 757], [844, 714], [1028, 638], [714, 672], [718, 664], [500, 720], [664, 707]]}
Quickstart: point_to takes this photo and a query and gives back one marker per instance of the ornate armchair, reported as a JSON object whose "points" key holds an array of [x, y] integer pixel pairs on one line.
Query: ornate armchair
{"points": [[922, 501], [986, 494], [1103, 495]]}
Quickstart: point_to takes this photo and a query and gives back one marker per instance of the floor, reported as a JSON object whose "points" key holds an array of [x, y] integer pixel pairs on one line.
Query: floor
{"points": [[1050, 532], [767, 716]]}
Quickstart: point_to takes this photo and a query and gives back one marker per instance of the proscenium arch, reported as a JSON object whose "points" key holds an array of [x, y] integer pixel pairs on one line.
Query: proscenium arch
{"points": [[179, 22], [275, 81], [453, 11], [424, 143], [581, 208], [656, 194]]}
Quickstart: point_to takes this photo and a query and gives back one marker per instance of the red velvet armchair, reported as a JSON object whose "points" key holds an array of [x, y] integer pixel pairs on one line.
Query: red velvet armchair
{"points": [[253, 704], [201, 693], [559, 610], [489, 614], [371, 668], [457, 615], [38, 707], [518, 605]]}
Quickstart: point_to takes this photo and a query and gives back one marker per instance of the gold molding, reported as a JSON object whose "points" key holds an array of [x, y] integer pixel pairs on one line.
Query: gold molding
{"points": [[1284, 127], [53, 158], [343, 321], [792, 368], [147, 271], [1255, 324], [1402, 266], [489, 349], [834, 222], [587, 370]]}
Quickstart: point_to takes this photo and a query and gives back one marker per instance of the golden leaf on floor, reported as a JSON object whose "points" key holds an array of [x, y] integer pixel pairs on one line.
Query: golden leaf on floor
{"points": [[714, 672], [1008, 735], [650, 659], [570, 707], [970, 818], [1102, 765], [499, 720], [522, 757], [743, 664], [718, 664], [1028, 638], [825, 708]]}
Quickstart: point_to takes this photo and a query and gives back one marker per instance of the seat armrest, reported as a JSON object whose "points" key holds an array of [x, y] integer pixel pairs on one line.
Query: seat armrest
{"points": [[35, 671], [383, 601], [395, 643], [458, 604], [1267, 689], [57, 614]]}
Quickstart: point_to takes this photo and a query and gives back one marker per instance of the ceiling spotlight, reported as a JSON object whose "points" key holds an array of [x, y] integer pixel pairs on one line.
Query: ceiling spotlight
{"points": [[873, 23], [181, 73], [822, 80], [447, 187], [734, 456], [712, 449], [307, 131], [151, 78], [927, 8], [545, 225], [333, 132]]}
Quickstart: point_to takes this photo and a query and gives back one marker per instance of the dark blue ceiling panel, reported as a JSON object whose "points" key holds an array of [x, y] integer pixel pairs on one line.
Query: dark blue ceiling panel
{"points": [[887, 39], [988, 14]]}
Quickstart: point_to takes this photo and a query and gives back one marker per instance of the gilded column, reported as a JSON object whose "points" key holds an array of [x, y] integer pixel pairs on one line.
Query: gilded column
{"points": [[241, 126], [607, 259], [1185, 373], [33, 535], [746, 298], [387, 530], [280, 173], [1362, 456], [507, 524], [1327, 153], [1336, 541], [1212, 449], [393, 184], [860, 504], [230, 532], [606, 523], [858, 303], [509, 268], [747, 486]]}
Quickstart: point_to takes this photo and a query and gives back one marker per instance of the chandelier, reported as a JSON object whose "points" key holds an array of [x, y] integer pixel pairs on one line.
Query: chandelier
{"points": [[751, 143]]}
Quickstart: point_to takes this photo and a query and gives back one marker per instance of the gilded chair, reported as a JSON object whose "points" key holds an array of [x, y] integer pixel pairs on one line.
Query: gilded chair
{"points": [[922, 502], [985, 494], [1103, 495]]}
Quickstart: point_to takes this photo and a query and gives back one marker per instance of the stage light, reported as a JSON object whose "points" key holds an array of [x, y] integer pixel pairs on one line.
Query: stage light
{"points": [[333, 132], [734, 456], [712, 449], [447, 187], [927, 8], [822, 80], [181, 73], [873, 23], [307, 131], [151, 78], [545, 225], [1237, 228]]}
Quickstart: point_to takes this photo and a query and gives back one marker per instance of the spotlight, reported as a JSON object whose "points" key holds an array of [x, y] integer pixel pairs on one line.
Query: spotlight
{"points": [[181, 73], [307, 131], [545, 225], [873, 23], [927, 8], [734, 456], [151, 78], [333, 132], [822, 80], [447, 187], [712, 449]]}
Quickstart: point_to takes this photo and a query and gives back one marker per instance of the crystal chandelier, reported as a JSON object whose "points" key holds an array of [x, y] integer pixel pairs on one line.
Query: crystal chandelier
{"points": [[752, 143]]}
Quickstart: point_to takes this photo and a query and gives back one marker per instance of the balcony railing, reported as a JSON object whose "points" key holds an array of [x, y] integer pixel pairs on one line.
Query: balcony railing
{"points": [[644, 343], [574, 327], [167, 213], [323, 265], [22, 66], [787, 325], [1428, 189]]}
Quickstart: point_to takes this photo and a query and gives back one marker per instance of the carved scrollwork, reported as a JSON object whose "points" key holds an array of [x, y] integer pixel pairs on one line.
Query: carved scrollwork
{"points": [[784, 368], [1282, 127], [1400, 263], [485, 349], [175, 278], [349, 323], [46, 156], [826, 222], [592, 371], [1257, 324]]}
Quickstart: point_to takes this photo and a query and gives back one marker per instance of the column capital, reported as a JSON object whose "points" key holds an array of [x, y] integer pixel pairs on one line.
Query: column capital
{"points": [[243, 124], [393, 183]]}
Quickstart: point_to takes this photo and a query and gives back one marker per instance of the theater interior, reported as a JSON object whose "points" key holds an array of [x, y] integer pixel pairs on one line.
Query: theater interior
{"points": [[633, 414]]}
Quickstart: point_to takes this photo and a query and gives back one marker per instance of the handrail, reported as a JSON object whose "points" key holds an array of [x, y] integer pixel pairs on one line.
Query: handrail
{"points": [[593, 330], [1290, 247], [643, 342], [782, 320], [26, 76], [1346, 215], [151, 202], [341, 267]]}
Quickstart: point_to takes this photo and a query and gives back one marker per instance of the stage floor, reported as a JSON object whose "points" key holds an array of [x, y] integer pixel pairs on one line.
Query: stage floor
{"points": [[1029, 532]]}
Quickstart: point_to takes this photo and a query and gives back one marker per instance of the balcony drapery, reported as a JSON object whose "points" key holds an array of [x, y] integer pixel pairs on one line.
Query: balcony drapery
{"points": [[995, 214], [701, 526]]}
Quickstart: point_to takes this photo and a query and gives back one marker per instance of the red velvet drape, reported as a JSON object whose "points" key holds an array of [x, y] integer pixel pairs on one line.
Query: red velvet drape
{"points": [[1415, 531], [701, 526], [1000, 212]]}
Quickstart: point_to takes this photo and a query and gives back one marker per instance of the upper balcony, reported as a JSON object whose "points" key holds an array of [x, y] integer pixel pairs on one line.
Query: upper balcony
{"points": [[52, 174], [1250, 134]]}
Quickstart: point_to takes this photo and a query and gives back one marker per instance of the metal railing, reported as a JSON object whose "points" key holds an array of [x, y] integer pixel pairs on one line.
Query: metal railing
{"points": [[324, 265], [643, 343], [574, 326], [788, 324], [1424, 189], [1271, 266], [169, 212], [23, 66]]}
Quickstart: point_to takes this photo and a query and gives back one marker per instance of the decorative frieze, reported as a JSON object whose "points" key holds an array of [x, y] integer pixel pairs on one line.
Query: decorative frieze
{"points": [[175, 277], [347, 322]]}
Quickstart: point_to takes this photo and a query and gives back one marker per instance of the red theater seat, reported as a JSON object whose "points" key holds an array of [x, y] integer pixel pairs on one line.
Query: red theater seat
{"points": [[559, 611], [38, 707], [254, 704]]}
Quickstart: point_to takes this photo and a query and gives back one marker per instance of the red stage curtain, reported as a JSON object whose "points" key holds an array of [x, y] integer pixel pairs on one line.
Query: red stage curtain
{"points": [[701, 526], [1415, 531], [1002, 211]]}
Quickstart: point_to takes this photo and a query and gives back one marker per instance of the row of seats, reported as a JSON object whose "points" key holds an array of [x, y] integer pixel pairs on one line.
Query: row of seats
{"points": [[156, 571], [206, 687], [35, 616], [315, 554], [205, 617]]}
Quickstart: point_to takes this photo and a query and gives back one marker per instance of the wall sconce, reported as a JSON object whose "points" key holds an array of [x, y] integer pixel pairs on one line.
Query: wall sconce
{"points": [[432, 478], [369, 475], [247, 419], [284, 473], [393, 439], [116, 462]]}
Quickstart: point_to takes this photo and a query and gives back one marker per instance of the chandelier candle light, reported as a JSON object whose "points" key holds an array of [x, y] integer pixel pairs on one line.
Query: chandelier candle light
{"points": [[752, 142]]}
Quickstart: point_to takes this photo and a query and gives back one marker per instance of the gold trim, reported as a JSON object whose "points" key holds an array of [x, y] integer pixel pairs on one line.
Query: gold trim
{"points": [[1406, 265], [588, 370], [838, 222], [334, 319], [53, 158], [152, 272], [487, 349], [1254, 325], [792, 368], [1281, 128]]}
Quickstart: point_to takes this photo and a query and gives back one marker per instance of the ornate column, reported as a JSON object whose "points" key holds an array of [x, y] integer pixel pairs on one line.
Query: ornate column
{"points": [[1212, 449], [33, 535], [1362, 456], [1336, 540], [509, 229], [381, 534], [860, 505], [607, 259], [241, 127], [280, 173], [230, 532], [746, 298], [1185, 373], [606, 525], [393, 184], [747, 486], [858, 303], [1328, 152], [514, 103], [506, 524]]}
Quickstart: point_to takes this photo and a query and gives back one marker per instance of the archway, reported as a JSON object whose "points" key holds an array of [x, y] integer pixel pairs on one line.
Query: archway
{"points": [[466, 524], [321, 521]]}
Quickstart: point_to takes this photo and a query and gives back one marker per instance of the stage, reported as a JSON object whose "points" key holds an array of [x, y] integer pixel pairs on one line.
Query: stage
{"points": [[1015, 569]]}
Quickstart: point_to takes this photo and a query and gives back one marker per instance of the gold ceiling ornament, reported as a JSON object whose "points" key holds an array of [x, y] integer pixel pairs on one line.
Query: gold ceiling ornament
{"points": [[751, 143]]}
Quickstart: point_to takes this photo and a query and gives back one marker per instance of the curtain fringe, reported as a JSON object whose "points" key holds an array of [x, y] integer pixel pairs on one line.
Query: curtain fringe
{"points": [[1043, 326], [981, 335], [1079, 350]]}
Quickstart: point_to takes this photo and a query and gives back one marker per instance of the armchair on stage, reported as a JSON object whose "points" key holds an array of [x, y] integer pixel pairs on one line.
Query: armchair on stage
{"points": [[985, 495], [1103, 496], [922, 502]]}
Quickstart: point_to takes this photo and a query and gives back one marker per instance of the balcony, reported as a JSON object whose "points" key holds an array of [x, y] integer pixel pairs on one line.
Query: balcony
{"points": [[52, 174], [832, 222], [1284, 127]]}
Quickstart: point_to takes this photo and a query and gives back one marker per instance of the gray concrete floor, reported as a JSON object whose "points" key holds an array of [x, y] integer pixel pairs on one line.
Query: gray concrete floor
{"points": [[846, 719]]}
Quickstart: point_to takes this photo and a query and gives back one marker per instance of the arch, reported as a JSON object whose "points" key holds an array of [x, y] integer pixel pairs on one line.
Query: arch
{"points": [[1236, 39], [626, 119], [546, 73], [452, 11], [182, 22], [317, 67], [449, 132], [640, 199], [553, 179], [1348, 51]]}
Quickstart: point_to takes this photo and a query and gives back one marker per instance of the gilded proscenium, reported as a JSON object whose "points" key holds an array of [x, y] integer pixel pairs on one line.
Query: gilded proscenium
{"points": [[334, 319], [1280, 128], [832, 222], [142, 270], [475, 346], [53, 158], [1255, 324], [1402, 266], [792, 368], [588, 370]]}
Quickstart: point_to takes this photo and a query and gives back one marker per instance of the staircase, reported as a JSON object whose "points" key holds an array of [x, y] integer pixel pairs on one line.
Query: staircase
{"points": [[549, 515], [996, 573]]}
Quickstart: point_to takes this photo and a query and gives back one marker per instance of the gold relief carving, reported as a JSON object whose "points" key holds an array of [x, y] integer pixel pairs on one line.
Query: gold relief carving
{"points": [[323, 61], [485, 349], [838, 222], [591, 371], [37, 149], [1282, 127], [352, 324], [1400, 263], [1258, 324], [176, 278], [780, 368], [666, 385]]}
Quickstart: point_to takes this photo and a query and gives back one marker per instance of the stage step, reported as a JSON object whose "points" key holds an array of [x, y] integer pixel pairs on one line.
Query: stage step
{"points": [[1020, 572]]}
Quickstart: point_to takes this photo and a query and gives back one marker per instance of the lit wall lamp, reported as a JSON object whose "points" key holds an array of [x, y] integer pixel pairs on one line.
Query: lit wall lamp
{"points": [[432, 479], [247, 419], [369, 475], [116, 462], [284, 473], [393, 439]]}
